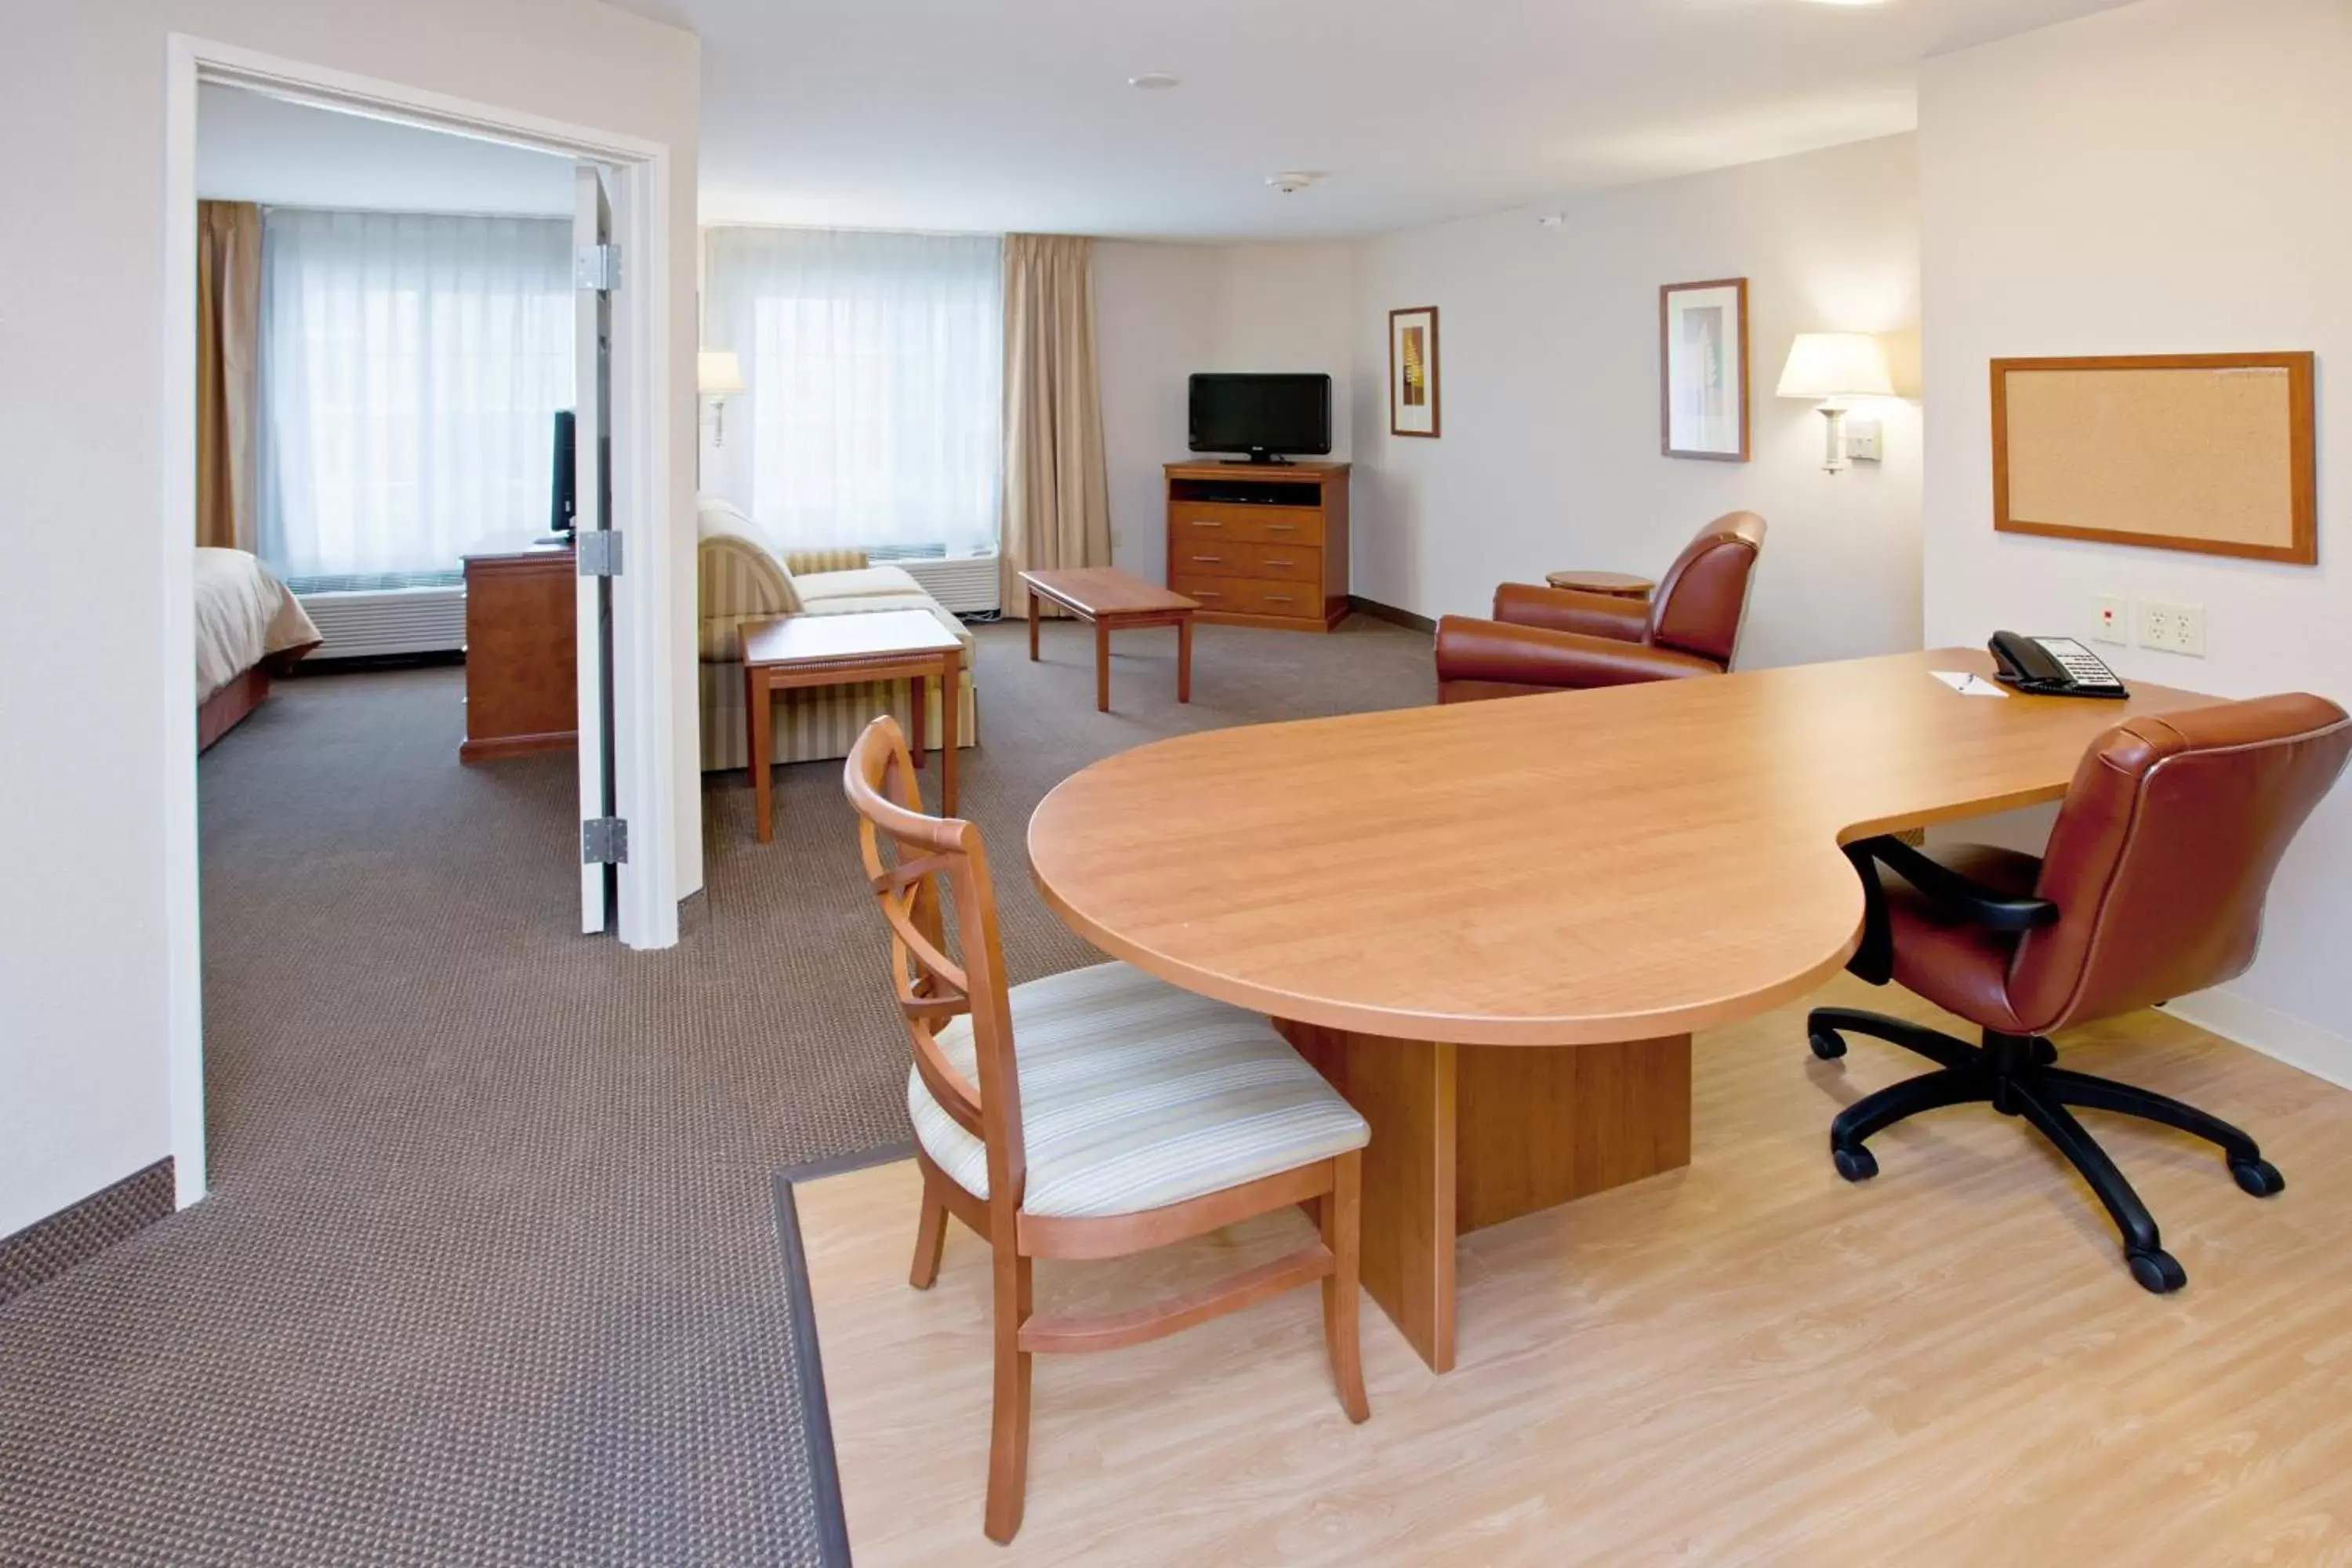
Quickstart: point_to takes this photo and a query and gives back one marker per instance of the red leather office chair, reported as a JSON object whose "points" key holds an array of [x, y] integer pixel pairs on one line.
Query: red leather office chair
{"points": [[2151, 887], [1547, 639]]}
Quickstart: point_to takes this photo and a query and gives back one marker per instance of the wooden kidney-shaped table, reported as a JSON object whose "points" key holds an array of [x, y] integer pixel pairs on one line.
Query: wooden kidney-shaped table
{"points": [[1436, 903]]}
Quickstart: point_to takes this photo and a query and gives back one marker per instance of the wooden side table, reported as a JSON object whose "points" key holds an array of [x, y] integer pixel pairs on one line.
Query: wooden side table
{"points": [[1114, 601], [1615, 584], [835, 650]]}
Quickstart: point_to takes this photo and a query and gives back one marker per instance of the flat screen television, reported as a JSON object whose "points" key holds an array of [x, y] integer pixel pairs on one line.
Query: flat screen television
{"points": [[1265, 417], [565, 478]]}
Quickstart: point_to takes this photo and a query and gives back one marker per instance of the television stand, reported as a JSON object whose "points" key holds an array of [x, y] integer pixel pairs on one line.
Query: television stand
{"points": [[1271, 461], [1260, 545]]}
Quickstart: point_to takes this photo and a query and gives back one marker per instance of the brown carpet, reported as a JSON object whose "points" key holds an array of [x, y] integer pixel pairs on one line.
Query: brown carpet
{"points": [[488, 1274]]}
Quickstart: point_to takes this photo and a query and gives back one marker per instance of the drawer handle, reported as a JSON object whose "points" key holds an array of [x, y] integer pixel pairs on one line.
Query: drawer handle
{"points": [[1211, 559], [1285, 526], [1279, 599], [1206, 593], [1202, 522], [1271, 562]]}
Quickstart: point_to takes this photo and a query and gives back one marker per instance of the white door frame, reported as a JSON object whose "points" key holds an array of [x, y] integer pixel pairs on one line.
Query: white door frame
{"points": [[643, 708]]}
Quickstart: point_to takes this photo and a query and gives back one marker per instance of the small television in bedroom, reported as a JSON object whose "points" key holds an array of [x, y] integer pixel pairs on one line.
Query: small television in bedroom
{"points": [[565, 507], [1268, 417]]}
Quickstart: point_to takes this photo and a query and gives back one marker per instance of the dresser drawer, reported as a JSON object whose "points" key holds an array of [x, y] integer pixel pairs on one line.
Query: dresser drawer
{"points": [[1240, 558], [1191, 521], [1252, 596]]}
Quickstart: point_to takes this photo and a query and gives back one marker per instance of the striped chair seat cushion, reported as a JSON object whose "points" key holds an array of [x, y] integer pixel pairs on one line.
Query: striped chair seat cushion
{"points": [[1135, 1095]]}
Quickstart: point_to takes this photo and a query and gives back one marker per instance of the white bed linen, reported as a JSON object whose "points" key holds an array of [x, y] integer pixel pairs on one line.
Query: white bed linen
{"points": [[244, 614]]}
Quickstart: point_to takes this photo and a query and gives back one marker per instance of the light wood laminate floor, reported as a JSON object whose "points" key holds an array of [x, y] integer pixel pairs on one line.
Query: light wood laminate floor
{"points": [[1746, 1361]]}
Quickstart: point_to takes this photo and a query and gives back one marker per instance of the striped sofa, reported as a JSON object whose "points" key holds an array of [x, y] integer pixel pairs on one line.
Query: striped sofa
{"points": [[738, 578]]}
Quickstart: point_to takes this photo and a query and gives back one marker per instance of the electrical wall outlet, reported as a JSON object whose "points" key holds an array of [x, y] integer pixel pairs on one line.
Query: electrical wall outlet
{"points": [[2175, 628], [2111, 620]]}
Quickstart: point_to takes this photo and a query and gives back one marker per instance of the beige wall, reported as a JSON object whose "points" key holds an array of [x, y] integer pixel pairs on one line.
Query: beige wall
{"points": [[1165, 311], [2168, 177], [1548, 360], [85, 1094]]}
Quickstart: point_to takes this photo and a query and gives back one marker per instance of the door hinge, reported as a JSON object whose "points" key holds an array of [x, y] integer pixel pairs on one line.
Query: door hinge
{"points": [[596, 267], [599, 552], [604, 841]]}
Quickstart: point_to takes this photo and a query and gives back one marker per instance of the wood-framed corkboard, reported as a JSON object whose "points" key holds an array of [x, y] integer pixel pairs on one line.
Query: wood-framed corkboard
{"points": [[2211, 453]]}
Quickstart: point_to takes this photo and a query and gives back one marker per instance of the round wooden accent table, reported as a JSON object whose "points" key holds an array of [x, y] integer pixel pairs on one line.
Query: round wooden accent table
{"points": [[1616, 585]]}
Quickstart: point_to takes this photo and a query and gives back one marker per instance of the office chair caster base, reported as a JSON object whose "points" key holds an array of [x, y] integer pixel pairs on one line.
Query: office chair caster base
{"points": [[2044, 1053], [1827, 1045], [1855, 1164], [2259, 1177], [2157, 1271]]}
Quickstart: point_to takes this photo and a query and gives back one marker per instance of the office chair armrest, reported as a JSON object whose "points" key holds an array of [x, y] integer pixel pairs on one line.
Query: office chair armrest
{"points": [[1567, 610], [1994, 908], [1470, 650]]}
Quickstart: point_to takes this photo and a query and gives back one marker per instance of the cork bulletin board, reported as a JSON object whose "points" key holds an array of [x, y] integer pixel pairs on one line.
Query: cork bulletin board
{"points": [[2211, 453]]}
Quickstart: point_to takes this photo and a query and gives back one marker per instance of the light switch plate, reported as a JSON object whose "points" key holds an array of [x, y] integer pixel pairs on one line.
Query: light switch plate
{"points": [[1865, 441], [2111, 619]]}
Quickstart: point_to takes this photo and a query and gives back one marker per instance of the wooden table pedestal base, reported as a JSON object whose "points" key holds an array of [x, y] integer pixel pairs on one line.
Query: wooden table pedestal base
{"points": [[1468, 1136]]}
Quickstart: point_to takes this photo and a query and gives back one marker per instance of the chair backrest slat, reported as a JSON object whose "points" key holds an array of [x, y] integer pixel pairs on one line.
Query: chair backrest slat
{"points": [[932, 861]]}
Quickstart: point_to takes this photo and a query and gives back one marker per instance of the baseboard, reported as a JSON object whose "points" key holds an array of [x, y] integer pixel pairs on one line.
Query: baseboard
{"points": [[1391, 614], [2280, 1036], [78, 1232]]}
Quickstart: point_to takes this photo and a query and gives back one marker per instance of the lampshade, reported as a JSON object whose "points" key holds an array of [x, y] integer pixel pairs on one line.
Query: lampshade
{"points": [[1836, 365], [717, 373]]}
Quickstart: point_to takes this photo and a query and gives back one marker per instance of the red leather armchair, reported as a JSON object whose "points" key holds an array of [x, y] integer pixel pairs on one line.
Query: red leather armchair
{"points": [[1546, 640]]}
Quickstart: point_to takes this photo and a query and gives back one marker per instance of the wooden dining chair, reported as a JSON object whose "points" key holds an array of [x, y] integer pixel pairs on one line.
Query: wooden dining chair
{"points": [[1089, 1115]]}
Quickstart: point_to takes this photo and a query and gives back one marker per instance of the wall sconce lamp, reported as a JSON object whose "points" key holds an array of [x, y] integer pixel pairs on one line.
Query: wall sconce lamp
{"points": [[1832, 367], [718, 375]]}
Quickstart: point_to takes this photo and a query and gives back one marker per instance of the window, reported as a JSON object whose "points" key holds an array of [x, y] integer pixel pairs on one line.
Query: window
{"points": [[411, 371], [875, 364]]}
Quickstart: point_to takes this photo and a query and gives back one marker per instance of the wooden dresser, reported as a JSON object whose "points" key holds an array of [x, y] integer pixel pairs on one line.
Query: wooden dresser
{"points": [[521, 642], [1260, 545]]}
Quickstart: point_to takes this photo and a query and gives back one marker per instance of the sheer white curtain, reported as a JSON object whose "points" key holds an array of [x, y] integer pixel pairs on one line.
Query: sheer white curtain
{"points": [[876, 370], [412, 367]]}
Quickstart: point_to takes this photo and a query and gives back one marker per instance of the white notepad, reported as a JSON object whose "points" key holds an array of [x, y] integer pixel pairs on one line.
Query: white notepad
{"points": [[1968, 685]]}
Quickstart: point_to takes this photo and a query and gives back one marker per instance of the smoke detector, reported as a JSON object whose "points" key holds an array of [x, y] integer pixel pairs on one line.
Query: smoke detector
{"points": [[1290, 182]]}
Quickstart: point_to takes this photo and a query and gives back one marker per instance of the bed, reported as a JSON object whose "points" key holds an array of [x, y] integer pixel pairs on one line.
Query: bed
{"points": [[249, 625]]}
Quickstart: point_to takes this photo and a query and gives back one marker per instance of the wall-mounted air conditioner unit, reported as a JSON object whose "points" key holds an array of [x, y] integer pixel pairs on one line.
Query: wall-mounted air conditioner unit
{"points": [[371, 623]]}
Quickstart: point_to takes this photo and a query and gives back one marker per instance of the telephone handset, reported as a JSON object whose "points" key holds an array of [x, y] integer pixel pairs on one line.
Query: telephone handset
{"points": [[2052, 667]]}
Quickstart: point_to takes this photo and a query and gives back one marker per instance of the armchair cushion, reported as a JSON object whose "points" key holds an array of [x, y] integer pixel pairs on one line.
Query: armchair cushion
{"points": [[862, 583], [1135, 1095], [1566, 610], [1474, 655], [1942, 954]]}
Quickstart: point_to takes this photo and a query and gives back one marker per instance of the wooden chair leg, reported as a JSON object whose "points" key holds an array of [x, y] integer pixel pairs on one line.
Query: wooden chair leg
{"points": [[930, 1240], [1342, 1228], [1008, 1441]]}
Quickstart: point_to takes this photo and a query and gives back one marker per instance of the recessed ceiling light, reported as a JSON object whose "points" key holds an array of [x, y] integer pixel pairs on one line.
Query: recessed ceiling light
{"points": [[1290, 182], [1849, 2], [1154, 81]]}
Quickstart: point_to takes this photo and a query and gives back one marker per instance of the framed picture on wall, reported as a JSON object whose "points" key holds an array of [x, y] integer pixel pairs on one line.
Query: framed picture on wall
{"points": [[1412, 371], [1702, 370]]}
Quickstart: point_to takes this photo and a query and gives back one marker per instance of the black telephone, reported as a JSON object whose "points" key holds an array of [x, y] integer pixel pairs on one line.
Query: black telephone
{"points": [[2052, 667]]}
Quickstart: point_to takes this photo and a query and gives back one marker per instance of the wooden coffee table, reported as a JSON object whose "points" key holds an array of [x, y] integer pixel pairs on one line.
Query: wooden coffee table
{"points": [[1115, 602], [833, 650]]}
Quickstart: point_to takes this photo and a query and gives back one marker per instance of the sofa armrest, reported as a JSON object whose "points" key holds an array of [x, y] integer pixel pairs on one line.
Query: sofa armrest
{"points": [[800, 562], [1503, 654], [1566, 610]]}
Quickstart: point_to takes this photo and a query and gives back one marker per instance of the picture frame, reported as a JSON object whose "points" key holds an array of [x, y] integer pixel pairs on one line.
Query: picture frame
{"points": [[1413, 384], [1702, 370]]}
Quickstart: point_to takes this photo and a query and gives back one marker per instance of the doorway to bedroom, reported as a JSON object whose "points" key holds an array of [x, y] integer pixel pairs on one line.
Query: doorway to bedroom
{"points": [[420, 407], [395, 356]]}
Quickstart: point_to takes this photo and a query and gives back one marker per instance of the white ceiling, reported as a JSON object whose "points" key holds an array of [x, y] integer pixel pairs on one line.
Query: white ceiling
{"points": [[251, 148], [953, 114]]}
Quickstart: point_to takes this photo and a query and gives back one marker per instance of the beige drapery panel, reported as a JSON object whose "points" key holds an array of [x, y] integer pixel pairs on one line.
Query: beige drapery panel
{"points": [[1056, 487], [228, 366]]}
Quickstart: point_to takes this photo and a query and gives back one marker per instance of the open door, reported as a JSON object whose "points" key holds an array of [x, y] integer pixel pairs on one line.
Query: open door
{"points": [[603, 840]]}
